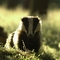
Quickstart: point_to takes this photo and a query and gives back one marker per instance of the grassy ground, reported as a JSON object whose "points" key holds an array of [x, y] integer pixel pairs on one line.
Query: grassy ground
{"points": [[50, 50]]}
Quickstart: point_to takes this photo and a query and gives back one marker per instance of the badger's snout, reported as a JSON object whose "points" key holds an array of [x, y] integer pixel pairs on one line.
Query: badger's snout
{"points": [[30, 36]]}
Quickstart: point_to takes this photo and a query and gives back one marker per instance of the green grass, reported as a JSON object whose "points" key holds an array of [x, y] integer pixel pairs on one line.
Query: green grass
{"points": [[50, 50], [13, 54]]}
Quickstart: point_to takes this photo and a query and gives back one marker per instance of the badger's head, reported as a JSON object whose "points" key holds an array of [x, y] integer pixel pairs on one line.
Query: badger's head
{"points": [[30, 25]]}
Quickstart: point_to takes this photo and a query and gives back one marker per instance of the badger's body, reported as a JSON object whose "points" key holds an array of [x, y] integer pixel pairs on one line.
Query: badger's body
{"points": [[27, 36]]}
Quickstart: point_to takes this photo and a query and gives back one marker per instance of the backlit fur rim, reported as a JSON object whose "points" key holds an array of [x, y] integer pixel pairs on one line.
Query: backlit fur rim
{"points": [[31, 17]]}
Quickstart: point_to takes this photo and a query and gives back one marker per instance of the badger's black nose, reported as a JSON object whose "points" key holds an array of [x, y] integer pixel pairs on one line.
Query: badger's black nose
{"points": [[30, 36]]}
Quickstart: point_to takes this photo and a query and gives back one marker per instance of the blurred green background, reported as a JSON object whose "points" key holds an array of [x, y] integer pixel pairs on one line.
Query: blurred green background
{"points": [[11, 11]]}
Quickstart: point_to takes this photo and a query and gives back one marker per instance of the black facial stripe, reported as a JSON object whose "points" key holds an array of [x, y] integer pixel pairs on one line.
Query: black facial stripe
{"points": [[26, 23], [35, 23]]}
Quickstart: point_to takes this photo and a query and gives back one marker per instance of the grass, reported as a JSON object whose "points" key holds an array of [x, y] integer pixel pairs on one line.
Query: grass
{"points": [[13, 54], [50, 50]]}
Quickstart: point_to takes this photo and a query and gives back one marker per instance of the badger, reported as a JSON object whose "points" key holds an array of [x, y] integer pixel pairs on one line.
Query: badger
{"points": [[27, 35]]}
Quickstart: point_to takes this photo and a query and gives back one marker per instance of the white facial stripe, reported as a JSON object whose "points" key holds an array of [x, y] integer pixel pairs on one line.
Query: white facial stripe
{"points": [[38, 28], [30, 28], [24, 29]]}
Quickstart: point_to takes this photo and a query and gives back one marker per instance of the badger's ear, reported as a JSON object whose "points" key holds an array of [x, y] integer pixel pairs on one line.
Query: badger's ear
{"points": [[24, 19], [36, 20]]}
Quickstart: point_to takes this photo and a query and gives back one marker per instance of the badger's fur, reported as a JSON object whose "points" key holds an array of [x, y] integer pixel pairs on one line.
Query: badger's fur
{"points": [[27, 35]]}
